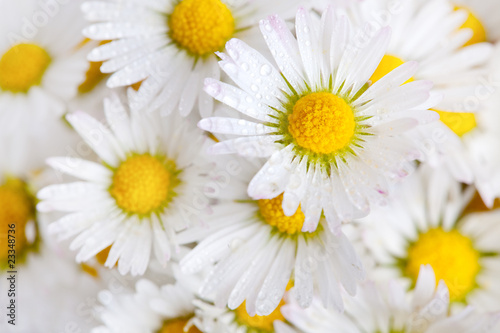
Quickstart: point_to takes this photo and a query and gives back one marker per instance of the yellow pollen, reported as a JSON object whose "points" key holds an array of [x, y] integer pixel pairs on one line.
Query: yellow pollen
{"points": [[387, 65], [141, 184], [473, 23], [94, 74], [177, 326], [272, 213], [201, 26], [451, 255], [322, 122], [16, 207], [459, 122], [262, 323], [22, 67]]}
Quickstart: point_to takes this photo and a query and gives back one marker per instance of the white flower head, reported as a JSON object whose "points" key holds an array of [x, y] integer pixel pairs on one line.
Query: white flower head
{"points": [[41, 67], [387, 307], [170, 45], [426, 224], [148, 186], [252, 251], [334, 142]]}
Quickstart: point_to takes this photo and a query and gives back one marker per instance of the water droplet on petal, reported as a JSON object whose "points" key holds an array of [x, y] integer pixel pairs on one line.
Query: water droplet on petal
{"points": [[265, 70], [213, 88]]}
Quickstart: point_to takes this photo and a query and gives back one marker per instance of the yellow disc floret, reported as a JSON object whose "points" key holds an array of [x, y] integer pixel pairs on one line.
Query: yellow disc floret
{"points": [[201, 26], [22, 67], [259, 323], [451, 255], [141, 184], [322, 122], [473, 23], [272, 213], [177, 326], [387, 65], [16, 208], [459, 122]]}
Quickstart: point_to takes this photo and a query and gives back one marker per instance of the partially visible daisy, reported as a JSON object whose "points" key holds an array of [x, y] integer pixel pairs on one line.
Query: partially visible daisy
{"points": [[252, 250], [389, 308], [449, 44], [424, 226], [18, 221], [170, 45], [333, 143], [147, 187], [148, 309], [45, 277], [40, 70]]}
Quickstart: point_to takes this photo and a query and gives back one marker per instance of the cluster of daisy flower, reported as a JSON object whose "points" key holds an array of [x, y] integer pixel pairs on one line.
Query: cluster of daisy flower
{"points": [[250, 166]]}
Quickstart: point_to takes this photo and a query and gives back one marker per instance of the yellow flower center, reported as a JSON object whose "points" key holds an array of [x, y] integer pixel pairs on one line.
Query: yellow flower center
{"points": [[22, 67], [141, 184], [451, 255], [16, 208], [177, 326], [322, 122], [272, 213], [387, 65], [201, 26], [473, 23], [459, 122], [260, 323]]}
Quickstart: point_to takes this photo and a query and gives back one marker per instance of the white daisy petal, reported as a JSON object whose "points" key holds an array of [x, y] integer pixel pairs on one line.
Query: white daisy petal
{"points": [[98, 137], [82, 169]]}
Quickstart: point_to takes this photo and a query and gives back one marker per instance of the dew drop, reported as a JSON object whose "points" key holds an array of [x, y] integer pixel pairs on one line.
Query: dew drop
{"points": [[213, 88], [265, 70], [233, 53]]}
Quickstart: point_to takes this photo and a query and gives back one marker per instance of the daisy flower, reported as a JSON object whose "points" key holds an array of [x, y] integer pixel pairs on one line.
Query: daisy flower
{"points": [[389, 308], [147, 186], [40, 70], [424, 225], [150, 309], [252, 250], [170, 45], [452, 54], [332, 142]]}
